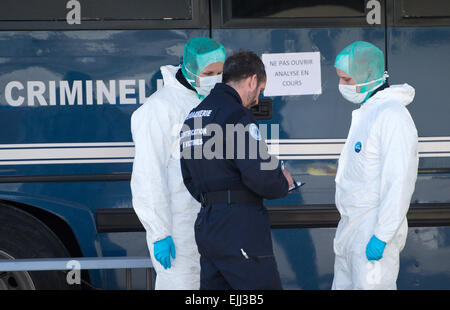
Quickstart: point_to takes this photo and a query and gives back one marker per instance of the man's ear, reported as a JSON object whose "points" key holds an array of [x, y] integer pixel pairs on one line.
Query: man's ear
{"points": [[253, 83]]}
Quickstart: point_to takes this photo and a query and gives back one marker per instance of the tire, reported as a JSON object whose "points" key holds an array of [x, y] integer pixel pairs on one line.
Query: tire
{"points": [[24, 236]]}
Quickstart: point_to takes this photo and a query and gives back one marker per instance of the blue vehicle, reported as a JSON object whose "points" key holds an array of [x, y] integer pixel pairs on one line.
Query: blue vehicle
{"points": [[73, 72]]}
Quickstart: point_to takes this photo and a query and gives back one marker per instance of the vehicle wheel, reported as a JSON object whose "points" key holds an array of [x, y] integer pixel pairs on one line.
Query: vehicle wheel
{"points": [[24, 236]]}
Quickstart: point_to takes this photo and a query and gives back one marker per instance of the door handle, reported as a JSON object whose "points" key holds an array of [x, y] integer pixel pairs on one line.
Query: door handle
{"points": [[264, 109]]}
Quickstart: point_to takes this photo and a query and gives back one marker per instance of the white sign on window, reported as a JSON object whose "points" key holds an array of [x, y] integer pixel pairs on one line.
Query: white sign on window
{"points": [[290, 74]]}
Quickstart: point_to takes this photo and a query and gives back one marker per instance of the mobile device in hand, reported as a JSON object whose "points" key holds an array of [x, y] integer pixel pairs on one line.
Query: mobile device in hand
{"points": [[295, 186]]}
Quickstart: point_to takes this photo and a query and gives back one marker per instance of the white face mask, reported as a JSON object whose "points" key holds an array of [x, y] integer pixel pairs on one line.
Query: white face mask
{"points": [[349, 91], [207, 83]]}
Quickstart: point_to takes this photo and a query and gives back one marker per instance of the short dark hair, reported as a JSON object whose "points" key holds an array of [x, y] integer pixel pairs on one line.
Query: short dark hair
{"points": [[242, 65]]}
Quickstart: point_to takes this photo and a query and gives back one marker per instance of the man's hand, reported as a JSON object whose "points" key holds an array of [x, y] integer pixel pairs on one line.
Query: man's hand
{"points": [[288, 177]]}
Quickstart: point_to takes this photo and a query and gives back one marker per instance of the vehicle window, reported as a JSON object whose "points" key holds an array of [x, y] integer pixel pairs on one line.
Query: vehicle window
{"points": [[297, 8], [95, 10], [425, 9]]}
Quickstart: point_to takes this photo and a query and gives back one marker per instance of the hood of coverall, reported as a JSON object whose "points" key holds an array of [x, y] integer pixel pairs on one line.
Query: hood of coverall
{"points": [[403, 93], [169, 76]]}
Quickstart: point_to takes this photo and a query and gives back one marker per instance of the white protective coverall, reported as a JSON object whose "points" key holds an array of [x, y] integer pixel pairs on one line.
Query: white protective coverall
{"points": [[375, 180], [160, 198]]}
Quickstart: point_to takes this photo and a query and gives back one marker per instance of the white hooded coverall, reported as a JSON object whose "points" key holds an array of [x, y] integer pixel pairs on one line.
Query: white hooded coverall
{"points": [[375, 180], [160, 198]]}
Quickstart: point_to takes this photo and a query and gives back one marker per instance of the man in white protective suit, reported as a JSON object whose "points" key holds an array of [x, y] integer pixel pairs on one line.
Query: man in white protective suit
{"points": [[376, 173], [160, 198]]}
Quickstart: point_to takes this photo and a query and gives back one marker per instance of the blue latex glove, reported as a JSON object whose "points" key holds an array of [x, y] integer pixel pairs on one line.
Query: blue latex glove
{"points": [[162, 251], [375, 248]]}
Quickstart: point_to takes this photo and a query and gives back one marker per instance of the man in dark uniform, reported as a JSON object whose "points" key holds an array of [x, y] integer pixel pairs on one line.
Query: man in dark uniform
{"points": [[226, 166]]}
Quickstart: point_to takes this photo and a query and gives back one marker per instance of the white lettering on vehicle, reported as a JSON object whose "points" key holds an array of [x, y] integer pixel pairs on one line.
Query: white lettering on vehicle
{"points": [[70, 93]]}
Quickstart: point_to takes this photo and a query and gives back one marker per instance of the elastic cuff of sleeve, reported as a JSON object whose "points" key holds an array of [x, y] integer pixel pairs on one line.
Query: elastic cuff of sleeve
{"points": [[381, 237], [159, 237]]}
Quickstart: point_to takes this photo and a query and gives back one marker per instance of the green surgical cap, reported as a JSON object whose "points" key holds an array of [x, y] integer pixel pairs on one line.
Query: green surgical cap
{"points": [[364, 62], [198, 53]]}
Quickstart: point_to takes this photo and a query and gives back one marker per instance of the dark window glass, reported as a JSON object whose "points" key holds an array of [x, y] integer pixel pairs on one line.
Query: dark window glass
{"points": [[44, 10], [297, 8], [425, 9]]}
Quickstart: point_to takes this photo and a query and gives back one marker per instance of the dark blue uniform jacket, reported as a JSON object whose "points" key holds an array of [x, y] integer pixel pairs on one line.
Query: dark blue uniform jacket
{"points": [[227, 160]]}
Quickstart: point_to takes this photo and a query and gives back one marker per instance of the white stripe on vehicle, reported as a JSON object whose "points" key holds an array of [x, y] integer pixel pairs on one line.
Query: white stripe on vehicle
{"points": [[123, 152]]}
